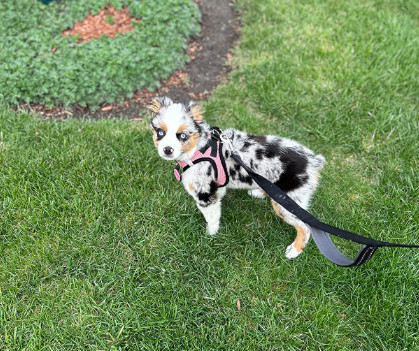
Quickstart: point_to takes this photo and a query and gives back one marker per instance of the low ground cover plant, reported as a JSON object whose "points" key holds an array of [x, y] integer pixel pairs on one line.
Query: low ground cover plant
{"points": [[39, 64]]}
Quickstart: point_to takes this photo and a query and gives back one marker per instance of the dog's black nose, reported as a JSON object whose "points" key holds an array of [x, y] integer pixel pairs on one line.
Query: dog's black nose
{"points": [[168, 150]]}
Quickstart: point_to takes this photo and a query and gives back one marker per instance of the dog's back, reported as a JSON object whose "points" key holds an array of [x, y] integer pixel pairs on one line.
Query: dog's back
{"points": [[285, 162]]}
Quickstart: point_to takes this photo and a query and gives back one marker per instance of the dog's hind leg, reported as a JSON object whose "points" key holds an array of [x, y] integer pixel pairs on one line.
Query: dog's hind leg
{"points": [[303, 232]]}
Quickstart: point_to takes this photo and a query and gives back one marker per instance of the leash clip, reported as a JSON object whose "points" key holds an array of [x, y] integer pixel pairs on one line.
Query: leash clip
{"points": [[226, 140]]}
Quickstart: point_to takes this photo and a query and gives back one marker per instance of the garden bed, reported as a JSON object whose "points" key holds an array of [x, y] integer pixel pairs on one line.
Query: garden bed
{"points": [[207, 55]]}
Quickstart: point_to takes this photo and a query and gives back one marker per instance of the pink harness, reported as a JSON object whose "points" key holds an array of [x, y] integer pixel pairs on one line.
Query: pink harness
{"points": [[212, 152]]}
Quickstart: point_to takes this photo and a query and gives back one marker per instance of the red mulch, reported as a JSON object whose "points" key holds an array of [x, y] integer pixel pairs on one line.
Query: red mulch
{"points": [[92, 27]]}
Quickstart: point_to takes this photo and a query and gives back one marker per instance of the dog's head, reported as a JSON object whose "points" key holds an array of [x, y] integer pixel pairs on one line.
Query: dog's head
{"points": [[176, 128]]}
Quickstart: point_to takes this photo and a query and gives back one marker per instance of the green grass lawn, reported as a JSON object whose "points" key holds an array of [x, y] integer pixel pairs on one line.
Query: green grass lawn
{"points": [[101, 248]]}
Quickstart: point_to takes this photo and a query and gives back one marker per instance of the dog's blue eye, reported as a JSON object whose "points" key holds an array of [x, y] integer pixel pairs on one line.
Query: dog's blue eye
{"points": [[160, 132], [183, 136]]}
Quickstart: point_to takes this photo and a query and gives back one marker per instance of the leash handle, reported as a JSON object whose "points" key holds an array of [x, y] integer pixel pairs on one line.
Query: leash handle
{"points": [[331, 252], [320, 229]]}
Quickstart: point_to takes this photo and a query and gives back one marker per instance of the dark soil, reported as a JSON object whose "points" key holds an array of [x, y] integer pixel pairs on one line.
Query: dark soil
{"points": [[209, 54]]}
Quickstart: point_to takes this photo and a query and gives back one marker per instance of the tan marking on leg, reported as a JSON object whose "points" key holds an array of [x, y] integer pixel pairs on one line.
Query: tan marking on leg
{"points": [[190, 186], [300, 239], [276, 209]]}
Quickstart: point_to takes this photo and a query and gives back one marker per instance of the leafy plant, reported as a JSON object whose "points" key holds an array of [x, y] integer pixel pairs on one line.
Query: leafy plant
{"points": [[39, 64], [109, 20]]}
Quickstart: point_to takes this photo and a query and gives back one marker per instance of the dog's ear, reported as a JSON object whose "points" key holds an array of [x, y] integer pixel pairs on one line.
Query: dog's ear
{"points": [[158, 103], [195, 111]]}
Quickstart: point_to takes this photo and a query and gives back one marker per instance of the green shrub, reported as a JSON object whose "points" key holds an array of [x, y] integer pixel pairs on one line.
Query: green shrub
{"points": [[39, 64]]}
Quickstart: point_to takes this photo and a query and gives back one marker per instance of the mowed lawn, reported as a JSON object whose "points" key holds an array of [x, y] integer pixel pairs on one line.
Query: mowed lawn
{"points": [[101, 248]]}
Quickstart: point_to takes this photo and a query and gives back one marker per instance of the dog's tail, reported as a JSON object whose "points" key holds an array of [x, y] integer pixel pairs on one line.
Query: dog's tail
{"points": [[319, 161]]}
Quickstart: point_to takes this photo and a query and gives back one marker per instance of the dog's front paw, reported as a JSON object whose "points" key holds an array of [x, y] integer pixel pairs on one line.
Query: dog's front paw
{"points": [[212, 229], [291, 252]]}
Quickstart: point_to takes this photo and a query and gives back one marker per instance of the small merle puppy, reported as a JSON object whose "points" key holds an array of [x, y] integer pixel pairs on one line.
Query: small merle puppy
{"points": [[181, 134]]}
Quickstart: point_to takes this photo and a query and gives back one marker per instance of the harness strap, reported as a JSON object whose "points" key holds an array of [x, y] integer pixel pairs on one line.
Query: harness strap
{"points": [[212, 152], [321, 230]]}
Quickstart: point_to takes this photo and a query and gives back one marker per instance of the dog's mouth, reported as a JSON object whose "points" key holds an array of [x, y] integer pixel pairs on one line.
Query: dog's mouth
{"points": [[168, 157]]}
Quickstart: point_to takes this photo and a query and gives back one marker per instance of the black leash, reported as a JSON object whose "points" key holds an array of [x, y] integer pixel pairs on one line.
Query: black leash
{"points": [[319, 230]]}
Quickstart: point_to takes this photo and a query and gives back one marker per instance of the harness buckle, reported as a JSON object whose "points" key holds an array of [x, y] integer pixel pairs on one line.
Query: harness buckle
{"points": [[216, 133]]}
